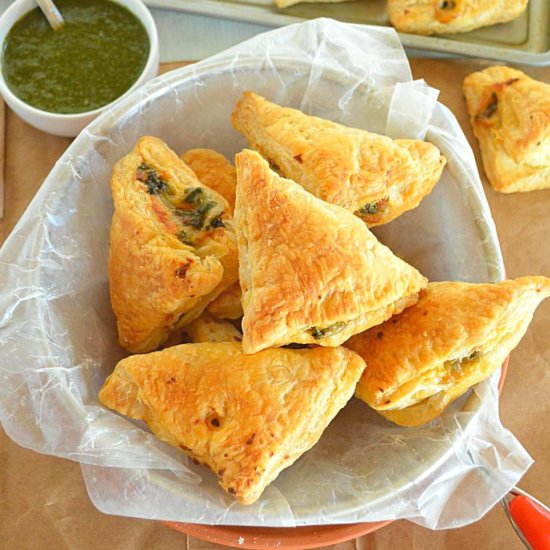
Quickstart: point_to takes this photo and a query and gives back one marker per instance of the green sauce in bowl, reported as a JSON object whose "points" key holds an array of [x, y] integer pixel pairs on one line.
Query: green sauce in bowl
{"points": [[97, 56]]}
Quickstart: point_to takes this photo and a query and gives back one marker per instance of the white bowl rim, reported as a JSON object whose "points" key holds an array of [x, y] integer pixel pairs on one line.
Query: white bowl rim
{"points": [[142, 14]]}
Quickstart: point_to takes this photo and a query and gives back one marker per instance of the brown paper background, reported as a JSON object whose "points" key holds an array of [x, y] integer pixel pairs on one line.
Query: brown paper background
{"points": [[43, 500]]}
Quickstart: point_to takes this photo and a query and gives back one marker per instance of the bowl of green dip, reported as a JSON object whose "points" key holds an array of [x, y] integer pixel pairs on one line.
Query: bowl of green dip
{"points": [[59, 81]]}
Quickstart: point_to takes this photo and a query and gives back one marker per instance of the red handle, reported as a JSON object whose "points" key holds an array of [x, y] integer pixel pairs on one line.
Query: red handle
{"points": [[532, 520]]}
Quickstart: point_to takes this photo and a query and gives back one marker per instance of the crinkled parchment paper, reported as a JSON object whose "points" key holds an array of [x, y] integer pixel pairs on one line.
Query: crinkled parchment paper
{"points": [[57, 331]]}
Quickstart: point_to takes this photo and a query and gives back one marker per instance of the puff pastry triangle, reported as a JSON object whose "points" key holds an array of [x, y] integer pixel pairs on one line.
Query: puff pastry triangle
{"points": [[310, 271], [172, 245], [455, 336], [510, 116], [247, 417], [451, 16], [370, 175]]}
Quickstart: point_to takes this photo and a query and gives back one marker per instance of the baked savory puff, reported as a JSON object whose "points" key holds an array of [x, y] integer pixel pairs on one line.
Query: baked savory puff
{"points": [[372, 176], [451, 16], [455, 336], [310, 271], [214, 170], [173, 249], [247, 417], [510, 115], [228, 304], [206, 328]]}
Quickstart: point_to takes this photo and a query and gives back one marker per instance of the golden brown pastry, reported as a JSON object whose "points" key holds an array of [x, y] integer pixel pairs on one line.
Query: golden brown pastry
{"points": [[287, 3], [372, 176], [310, 271], [173, 249], [510, 115], [207, 329], [214, 170], [451, 16], [247, 417], [228, 304], [455, 336]]}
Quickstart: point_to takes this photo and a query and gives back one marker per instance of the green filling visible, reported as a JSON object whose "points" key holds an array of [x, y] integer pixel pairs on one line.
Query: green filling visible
{"points": [[319, 333], [199, 210], [447, 5], [492, 106], [195, 218], [196, 196], [217, 222], [204, 203], [371, 208], [149, 176], [456, 364], [185, 238]]}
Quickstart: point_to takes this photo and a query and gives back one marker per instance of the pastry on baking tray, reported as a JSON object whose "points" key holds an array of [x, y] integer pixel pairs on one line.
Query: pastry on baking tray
{"points": [[287, 3], [206, 328], [455, 336], [310, 271], [228, 304], [214, 170], [373, 176], [510, 115], [451, 16], [173, 248], [247, 417]]}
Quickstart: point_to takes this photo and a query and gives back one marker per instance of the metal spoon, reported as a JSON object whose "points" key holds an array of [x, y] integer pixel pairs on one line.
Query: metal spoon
{"points": [[54, 17]]}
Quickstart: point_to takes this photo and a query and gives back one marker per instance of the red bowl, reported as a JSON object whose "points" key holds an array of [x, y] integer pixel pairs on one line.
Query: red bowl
{"points": [[297, 538], [294, 538]]}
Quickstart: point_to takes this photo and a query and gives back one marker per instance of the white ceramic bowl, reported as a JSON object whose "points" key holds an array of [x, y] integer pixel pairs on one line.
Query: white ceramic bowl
{"points": [[71, 125]]}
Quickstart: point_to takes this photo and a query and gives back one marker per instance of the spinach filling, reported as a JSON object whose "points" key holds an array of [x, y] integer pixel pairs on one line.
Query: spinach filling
{"points": [[319, 333], [198, 212], [456, 364], [447, 5], [149, 176], [492, 106], [372, 208], [185, 238], [195, 218], [198, 217]]}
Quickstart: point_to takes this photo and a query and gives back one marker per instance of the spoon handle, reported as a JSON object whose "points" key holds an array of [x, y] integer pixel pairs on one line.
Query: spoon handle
{"points": [[529, 517], [49, 9]]}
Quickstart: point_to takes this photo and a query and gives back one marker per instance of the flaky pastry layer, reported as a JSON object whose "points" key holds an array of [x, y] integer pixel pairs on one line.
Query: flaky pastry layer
{"points": [[172, 245], [206, 328], [451, 16], [214, 171], [310, 271], [370, 175], [247, 417], [455, 336], [228, 304], [510, 116]]}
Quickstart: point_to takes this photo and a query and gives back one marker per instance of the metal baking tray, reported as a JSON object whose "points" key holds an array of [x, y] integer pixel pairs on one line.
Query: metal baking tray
{"points": [[525, 40]]}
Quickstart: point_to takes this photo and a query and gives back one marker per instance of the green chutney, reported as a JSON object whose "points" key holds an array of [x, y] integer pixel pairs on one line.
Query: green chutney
{"points": [[92, 60]]}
